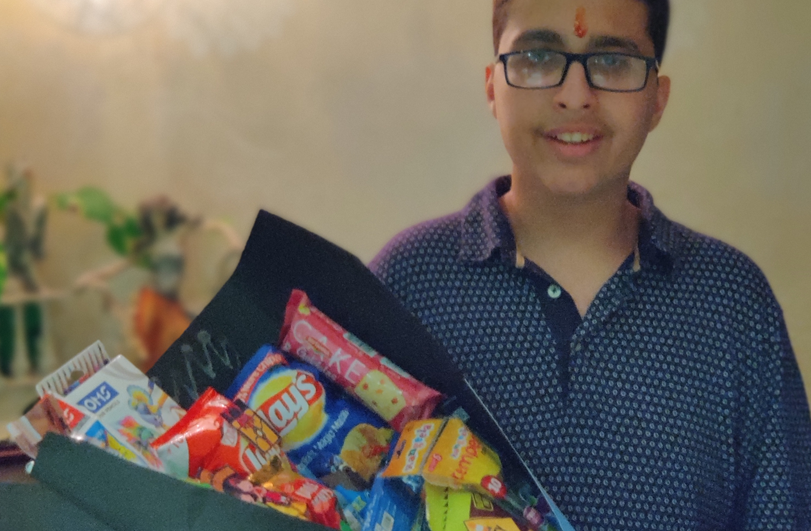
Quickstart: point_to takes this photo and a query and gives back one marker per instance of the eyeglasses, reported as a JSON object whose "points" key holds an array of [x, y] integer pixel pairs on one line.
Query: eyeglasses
{"points": [[540, 69]]}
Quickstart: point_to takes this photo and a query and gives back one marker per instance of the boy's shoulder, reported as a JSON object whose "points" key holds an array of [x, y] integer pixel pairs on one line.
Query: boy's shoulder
{"points": [[428, 244], [469, 234], [681, 257], [706, 258]]}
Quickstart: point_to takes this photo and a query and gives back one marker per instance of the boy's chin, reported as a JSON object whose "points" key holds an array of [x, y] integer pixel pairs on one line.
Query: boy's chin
{"points": [[579, 185]]}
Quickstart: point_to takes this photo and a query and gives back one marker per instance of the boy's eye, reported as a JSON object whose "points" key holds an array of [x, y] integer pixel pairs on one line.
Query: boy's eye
{"points": [[538, 56], [611, 61]]}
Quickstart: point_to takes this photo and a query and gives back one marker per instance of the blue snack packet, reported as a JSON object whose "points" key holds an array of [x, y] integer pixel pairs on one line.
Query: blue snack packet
{"points": [[325, 432], [393, 507], [354, 505]]}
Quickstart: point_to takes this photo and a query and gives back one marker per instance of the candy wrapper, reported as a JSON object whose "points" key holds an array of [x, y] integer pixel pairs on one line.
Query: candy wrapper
{"points": [[327, 434], [381, 385]]}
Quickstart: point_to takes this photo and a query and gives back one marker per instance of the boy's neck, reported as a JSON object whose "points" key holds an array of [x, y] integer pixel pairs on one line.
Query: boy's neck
{"points": [[579, 240], [541, 218]]}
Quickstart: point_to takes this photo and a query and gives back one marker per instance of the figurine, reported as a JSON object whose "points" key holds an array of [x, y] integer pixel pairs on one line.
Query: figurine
{"points": [[153, 238]]}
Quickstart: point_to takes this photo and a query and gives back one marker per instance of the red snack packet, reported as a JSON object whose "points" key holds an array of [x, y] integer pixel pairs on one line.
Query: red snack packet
{"points": [[205, 440], [322, 505], [373, 379], [226, 480]]}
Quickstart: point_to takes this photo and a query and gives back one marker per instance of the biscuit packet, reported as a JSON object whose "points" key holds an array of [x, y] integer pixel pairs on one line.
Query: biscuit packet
{"points": [[382, 386], [112, 404], [324, 432]]}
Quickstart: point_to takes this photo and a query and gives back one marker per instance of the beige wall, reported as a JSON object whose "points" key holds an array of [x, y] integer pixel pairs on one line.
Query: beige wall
{"points": [[358, 118]]}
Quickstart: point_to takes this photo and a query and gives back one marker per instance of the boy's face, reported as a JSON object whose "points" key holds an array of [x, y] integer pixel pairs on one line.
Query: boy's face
{"points": [[532, 120]]}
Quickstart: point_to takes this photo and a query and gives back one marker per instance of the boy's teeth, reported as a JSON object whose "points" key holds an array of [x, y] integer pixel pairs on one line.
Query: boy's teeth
{"points": [[574, 138]]}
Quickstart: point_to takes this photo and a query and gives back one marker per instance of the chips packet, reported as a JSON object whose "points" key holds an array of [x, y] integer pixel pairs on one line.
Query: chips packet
{"points": [[205, 439], [376, 381], [325, 432]]}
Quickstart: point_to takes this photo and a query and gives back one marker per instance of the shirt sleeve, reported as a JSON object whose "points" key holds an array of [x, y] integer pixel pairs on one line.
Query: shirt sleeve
{"points": [[774, 481]]}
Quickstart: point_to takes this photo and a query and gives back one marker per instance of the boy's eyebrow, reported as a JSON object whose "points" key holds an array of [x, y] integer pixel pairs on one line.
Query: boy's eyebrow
{"points": [[608, 41], [544, 36], [537, 36]]}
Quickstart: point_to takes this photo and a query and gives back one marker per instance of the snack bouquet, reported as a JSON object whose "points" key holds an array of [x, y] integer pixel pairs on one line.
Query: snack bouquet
{"points": [[291, 412]]}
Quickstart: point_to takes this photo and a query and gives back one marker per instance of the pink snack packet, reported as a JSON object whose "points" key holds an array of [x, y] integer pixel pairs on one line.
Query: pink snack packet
{"points": [[378, 383]]}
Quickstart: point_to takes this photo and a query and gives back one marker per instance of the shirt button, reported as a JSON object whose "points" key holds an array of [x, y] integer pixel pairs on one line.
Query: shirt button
{"points": [[554, 291]]}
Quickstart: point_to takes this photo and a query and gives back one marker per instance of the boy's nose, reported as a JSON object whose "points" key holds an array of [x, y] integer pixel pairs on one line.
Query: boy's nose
{"points": [[575, 92]]}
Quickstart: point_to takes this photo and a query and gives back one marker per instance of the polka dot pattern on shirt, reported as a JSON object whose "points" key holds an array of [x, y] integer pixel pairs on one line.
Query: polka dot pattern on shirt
{"points": [[685, 408]]}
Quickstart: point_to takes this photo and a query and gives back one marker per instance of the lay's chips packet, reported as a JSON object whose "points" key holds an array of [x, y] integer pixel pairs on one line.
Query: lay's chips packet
{"points": [[325, 433]]}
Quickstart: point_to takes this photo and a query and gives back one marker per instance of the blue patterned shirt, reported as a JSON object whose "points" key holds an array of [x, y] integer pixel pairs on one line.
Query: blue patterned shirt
{"points": [[675, 403]]}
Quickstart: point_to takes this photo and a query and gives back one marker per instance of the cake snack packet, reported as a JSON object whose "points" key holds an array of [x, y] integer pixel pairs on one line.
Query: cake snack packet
{"points": [[314, 338], [324, 432]]}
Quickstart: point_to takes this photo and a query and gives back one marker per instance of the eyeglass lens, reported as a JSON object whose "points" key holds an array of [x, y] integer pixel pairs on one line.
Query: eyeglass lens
{"points": [[541, 69]]}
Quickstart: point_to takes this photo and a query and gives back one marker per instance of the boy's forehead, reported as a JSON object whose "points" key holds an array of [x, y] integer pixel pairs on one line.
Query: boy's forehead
{"points": [[561, 23]]}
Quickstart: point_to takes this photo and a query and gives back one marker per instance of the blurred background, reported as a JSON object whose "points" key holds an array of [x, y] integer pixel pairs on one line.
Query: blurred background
{"points": [[354, 119]]}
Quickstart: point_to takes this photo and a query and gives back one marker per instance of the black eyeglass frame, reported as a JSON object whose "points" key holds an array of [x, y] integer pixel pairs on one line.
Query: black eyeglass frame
{"points": [[650, 63]]}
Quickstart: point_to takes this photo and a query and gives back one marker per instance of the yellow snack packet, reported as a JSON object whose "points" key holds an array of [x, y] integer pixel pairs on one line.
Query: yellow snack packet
{"points": [[460, 460], [415, 443], [461, 510]]}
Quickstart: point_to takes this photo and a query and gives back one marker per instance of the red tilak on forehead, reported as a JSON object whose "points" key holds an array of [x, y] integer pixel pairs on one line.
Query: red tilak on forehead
{"points": [[580, 26]]}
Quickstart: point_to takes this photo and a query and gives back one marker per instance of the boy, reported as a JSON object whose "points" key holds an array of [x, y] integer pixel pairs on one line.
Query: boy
{"points": [[643, 370]]}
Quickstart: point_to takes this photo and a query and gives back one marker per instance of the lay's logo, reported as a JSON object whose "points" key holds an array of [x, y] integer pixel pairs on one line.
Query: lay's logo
{"points": [[297, 409], [98, 397]]}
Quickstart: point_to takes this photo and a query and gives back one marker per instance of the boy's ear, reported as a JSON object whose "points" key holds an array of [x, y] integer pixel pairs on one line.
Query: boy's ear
{"points": [[489, 89], [662, 96]]}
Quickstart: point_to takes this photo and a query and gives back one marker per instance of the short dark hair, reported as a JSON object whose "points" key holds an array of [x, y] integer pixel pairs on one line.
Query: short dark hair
{"points": [[658, 21]]}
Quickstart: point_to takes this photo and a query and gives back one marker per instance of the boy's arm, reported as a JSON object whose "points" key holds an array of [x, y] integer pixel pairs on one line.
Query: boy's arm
{"points": [[774, 481]]}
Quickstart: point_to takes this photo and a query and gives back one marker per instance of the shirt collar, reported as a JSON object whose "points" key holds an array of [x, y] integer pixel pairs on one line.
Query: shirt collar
{"points": [[486, 230]]}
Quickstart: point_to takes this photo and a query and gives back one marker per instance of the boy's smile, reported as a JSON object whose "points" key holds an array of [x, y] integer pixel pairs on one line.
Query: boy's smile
{"points": [[574, 139]]}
